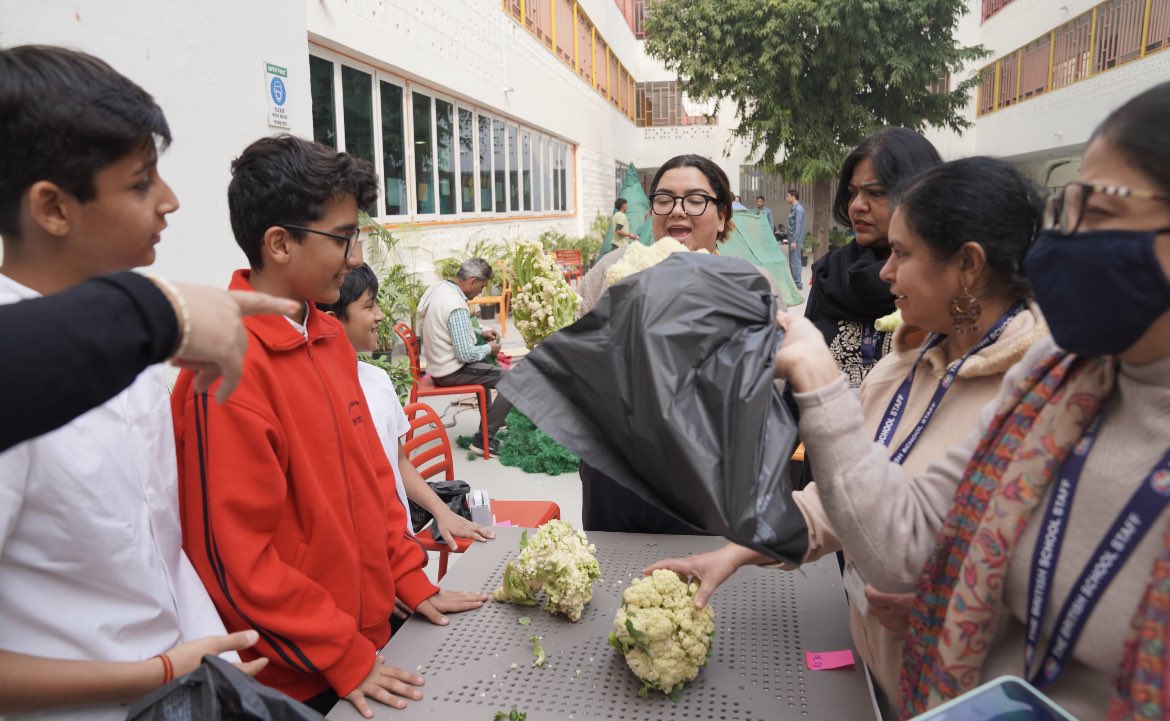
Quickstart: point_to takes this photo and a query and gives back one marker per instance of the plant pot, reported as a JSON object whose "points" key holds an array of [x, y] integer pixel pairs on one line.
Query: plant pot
{"points": [[487, 312]]}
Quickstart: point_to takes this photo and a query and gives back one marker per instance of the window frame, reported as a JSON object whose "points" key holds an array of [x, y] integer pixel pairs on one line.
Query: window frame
{"points": [[537, 138]]}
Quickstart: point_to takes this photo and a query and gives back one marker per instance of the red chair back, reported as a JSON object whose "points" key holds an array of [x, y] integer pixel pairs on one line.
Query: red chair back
{"points": [[428, 449], [570, 258], [410, 341]]}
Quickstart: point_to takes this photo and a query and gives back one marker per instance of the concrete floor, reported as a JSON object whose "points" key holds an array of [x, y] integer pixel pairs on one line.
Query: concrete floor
{"points": [[505, 482]]}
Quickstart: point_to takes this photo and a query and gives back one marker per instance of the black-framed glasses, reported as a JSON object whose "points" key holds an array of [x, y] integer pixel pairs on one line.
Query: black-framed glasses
{"points": [[1066, 207], [692, 203], [349, 240]]}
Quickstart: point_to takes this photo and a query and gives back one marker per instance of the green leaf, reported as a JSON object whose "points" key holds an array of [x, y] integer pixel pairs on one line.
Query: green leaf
{"points": [[524, 621], [676, 692], [537, 650], [635, 633], [524, 538]]}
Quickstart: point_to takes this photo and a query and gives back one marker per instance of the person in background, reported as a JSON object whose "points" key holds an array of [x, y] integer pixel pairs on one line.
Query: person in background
{"points": [[947, 361], [357, 310], [737, 204], [621, 224], [448, 343], [848, 293], [796, 233], [760, 200], [690, 201]]}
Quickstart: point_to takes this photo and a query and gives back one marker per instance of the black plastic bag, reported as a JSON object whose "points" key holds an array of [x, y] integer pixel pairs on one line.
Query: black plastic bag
{"points": [[219, 690], [666, 386], [453, 493]]}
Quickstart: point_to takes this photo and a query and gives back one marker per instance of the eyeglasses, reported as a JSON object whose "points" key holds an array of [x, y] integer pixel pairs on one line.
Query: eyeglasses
{"points": [[692, 204], [348, 240], [1066, 207]]}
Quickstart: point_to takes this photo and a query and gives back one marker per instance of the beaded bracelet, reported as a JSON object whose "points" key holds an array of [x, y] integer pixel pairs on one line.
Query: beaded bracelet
{"points": [[184, 314]]}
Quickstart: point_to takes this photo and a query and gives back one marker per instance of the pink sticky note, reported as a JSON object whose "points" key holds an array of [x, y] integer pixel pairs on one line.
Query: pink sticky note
{"points": [[503, 524], [826, 660]]}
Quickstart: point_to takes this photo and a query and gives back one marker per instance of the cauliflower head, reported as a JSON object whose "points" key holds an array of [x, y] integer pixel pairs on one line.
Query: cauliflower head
{"points": [[559, 561], [664, 638], [889, 323], [639, 257]]}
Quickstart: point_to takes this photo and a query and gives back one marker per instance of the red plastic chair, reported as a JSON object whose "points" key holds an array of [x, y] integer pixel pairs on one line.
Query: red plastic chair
{"points": [[423, 386], [429, 449], [570, 262]]}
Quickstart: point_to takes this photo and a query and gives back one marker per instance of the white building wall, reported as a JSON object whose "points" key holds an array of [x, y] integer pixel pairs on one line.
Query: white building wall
{"points": [[204, 64], [1039, 132], [472, 50]]}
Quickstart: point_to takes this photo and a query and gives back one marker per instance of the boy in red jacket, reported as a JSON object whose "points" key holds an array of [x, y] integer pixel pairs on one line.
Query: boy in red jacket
{"points": [[288, 503]]}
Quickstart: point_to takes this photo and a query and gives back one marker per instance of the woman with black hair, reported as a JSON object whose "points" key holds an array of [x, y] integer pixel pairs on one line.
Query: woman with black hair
{"points": [[848, 293], [690, 201]]}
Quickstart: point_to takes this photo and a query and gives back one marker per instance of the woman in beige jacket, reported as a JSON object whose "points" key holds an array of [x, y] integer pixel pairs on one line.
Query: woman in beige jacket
{"points": [[958, 282]]}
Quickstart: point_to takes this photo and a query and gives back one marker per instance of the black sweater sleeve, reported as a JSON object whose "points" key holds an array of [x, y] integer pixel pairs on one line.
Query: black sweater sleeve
{"points": [[67, 353]]}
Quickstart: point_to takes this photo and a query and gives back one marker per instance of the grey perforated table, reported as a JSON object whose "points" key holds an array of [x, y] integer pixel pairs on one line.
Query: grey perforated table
{"points": [[765, 620]]}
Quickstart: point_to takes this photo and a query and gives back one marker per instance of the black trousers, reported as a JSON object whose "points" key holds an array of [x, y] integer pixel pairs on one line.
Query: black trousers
{"points": [[607, 506], [486, 375]]}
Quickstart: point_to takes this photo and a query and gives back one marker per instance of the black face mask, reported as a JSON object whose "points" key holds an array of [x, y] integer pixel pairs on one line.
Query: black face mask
{"points": [[1099, 290]]}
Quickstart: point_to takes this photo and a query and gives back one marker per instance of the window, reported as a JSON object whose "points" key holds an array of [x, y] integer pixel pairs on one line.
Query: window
{"points": [[485, 164], [987, 89], [424, 149], [1158, 30], [537, 166], [991, 7], [445, 130], [1009, 80], [393, 149], [660, 104], [1119, 33], [584, 48], [634, 11], [321, 88], [513, 169], [1034, 69], [501, 185], [438, 159], [526, 168], [1070, 51], [466, 161]]}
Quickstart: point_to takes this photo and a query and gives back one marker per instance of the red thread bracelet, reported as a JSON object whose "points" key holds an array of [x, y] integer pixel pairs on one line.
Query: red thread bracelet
{"points": [[168, 669]]}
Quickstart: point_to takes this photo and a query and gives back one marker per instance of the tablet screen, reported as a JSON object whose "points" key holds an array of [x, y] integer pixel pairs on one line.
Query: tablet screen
{"points": [[1003, 700]]}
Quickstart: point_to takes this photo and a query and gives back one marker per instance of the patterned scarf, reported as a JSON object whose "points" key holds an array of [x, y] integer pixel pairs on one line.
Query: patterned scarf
{"points": [[960, 593]]}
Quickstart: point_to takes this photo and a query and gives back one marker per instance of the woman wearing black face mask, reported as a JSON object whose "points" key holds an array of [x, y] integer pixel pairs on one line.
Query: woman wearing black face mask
{"points": [[1040, 547]]}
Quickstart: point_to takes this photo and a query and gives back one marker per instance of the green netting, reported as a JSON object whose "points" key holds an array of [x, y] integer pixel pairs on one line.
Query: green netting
{"points": [[638, 213], [524, 446], [753, 241]]}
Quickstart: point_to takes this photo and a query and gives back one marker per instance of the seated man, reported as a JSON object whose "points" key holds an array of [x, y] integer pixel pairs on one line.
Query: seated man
{"points": [[449, 346]]}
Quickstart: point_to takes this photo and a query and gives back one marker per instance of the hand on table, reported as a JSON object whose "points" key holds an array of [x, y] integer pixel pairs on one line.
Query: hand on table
{"points": [[385, 684], [892, 610], [449, 602], [451, 524]]}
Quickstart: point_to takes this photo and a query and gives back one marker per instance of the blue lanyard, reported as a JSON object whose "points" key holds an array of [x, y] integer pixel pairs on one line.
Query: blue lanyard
{"points": [[1144, 507], [897, 407], [869, 341]]}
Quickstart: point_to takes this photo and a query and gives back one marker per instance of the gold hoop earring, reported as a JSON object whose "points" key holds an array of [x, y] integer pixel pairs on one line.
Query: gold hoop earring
{"points": [[964, 310]]}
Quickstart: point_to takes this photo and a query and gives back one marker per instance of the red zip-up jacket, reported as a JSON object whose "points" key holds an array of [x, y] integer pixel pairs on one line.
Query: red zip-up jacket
{"points": [[289, 508]]}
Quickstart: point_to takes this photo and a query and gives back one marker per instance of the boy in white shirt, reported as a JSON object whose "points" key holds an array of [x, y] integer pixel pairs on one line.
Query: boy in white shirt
{"points": [[98, 603], [358, 311]]}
